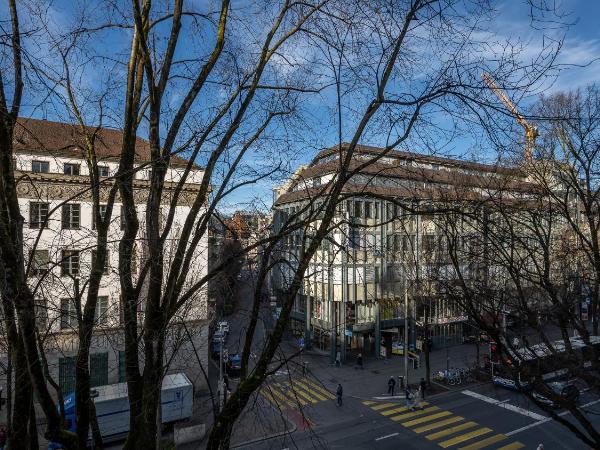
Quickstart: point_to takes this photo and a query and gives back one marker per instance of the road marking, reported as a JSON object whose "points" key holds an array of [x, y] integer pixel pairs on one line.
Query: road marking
{"points": [[513, 446], [464, 437], [422, 412], [508, 406], [383, 406], [273, 391], [390, 397], [308, 389], [426, 419], [449, 431], [485, 443], [390, 412], [289, 393], [368, 402], [440, 424], [386, 436], [318, 388], [306, 395], [547, 419]]}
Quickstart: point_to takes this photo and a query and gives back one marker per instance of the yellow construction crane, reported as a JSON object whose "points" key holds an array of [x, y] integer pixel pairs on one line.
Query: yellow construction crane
{"points": [[531, 131]]}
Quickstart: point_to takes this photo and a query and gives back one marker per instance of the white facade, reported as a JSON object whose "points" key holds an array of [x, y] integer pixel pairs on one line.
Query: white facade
{"points": [[46, 184]]}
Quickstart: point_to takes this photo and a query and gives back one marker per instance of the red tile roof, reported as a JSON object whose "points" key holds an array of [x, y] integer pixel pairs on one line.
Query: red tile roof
{"points": [[65, 139]]}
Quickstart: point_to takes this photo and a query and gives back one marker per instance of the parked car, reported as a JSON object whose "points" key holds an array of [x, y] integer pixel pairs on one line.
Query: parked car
{"points": [[566, 390], [234, 364], [223, 326]]}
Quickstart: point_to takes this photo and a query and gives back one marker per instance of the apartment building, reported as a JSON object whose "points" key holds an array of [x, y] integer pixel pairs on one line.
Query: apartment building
{"points": [[386, 255], [55, 201]]}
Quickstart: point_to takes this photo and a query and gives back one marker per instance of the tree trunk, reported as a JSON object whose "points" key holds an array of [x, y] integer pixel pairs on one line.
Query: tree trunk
{"points": [[33, 434], [426, 347], [82, 393]]}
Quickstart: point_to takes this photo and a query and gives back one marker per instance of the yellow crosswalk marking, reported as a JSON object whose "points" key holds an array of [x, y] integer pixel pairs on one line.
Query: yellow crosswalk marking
{"points": [[383, 406], [290, 394], [452, 430], [274, 391], [269, 397], [464, 437], [426, 419], [485, 443], [291, 390], [308, 389], [422, 412], [439, 424], [318, 388], [368, 402], [389, 412], [513, 446]]}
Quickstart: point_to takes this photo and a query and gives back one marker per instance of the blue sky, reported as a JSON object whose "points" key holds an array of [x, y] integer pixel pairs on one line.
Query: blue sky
{"points": [[579, 61]]}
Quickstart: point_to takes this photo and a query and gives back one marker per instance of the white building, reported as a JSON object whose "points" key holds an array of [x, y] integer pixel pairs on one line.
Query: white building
{"points": [[55, 201]]}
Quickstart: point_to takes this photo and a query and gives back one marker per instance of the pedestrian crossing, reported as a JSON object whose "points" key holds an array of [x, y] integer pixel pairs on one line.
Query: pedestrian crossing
{"points": [[444, 428], [295, 393]]}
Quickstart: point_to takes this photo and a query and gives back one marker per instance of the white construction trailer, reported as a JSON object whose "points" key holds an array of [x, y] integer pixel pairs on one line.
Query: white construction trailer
{"points": [[112, 406]]}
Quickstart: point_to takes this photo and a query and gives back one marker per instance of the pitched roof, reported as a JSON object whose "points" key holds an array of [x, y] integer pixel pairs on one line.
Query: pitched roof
{"points": [[65, 139], [411, 156]]}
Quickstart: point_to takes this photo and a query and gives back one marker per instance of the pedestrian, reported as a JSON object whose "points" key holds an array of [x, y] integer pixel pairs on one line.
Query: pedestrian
{"points": [[3, 436], [338, 359], [359, 361], [419, 399], [408, 395], [391, 386], [339, 392], [423, 385]]}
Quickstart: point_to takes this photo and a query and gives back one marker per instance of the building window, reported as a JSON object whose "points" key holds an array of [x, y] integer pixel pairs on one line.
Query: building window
{"points": [[71, 216], [71, 169], [40, 166], [102, 210], [101, 313], [103, 171], [98, 369], [70, 263], [357, 208], [106, 260], [68, 315], [38, 214], [41, 313], [66, 374], [40, 263], [368, 210]]}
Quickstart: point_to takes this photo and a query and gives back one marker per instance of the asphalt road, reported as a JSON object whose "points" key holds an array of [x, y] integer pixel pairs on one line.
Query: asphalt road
{"points": [[480, 417]]}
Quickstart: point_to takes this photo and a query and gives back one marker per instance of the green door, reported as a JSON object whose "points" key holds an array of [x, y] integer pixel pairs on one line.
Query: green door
{"points": [[66, 374], [98, 369]]}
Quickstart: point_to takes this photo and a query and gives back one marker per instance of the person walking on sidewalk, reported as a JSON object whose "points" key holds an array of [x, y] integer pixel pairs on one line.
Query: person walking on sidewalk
{"points": [[339, 392], [423, 385], [338, 359], [391, 386], [359, 361]]}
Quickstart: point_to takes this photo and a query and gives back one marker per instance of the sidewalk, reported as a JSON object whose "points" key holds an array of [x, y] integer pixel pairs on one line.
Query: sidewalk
{"points": [[372, 380]]}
